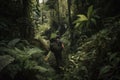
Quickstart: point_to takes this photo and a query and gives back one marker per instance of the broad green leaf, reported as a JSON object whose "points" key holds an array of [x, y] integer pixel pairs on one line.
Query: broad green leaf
{"points": [[80, 21], [90, 11]]}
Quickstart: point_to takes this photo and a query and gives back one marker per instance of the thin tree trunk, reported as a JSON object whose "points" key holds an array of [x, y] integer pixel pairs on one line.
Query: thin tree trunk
{"points": [[58, 14], [42, 12], [70, 24], [69, 13], [26, 8]]}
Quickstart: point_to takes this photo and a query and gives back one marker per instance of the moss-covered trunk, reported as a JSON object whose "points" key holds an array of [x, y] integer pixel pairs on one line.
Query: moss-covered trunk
{"points": [[15, 19]]}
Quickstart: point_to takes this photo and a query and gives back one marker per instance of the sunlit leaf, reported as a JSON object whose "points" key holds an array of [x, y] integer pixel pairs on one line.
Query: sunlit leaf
{"points": [[82, 17]]}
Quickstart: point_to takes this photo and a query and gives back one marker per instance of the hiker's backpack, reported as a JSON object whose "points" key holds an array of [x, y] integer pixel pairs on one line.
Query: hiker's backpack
{"points": [[55, 45]]}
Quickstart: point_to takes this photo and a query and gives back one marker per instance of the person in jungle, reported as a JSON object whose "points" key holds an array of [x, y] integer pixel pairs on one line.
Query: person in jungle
{"points": [[56, 47]]}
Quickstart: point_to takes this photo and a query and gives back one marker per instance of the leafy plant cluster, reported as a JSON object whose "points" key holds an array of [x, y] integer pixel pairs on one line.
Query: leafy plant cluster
{"points": [[21, 61], [97, 58], [86, 23]]}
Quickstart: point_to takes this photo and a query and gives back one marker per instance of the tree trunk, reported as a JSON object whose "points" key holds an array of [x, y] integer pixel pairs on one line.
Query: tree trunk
{"points": [[69, 14], [58, 14], [42, 12], [70, 23]]}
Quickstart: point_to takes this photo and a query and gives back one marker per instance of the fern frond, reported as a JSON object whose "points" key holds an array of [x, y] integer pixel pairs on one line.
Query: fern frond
{"points": [[5, 60], [13, 42], [33, 51]]}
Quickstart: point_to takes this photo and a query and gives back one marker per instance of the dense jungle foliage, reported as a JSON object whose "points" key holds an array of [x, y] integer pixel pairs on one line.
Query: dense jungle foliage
{"points": [[89, 29]]}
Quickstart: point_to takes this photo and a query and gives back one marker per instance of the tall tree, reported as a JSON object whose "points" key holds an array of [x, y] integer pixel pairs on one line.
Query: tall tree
{"points": [[58, 14], [70, 23], [42, 12], [69, 13]]}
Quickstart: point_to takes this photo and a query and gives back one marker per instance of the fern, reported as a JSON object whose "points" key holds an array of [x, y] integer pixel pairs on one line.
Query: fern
{"points": [[13, 42], [5, 60], [26, 59], [34, 50]]}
